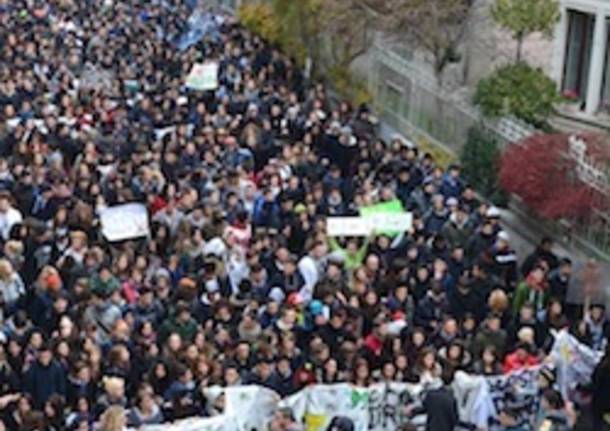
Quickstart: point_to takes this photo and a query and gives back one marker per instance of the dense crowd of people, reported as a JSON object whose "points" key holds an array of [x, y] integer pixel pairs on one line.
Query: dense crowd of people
{"points": [[238, 282]]}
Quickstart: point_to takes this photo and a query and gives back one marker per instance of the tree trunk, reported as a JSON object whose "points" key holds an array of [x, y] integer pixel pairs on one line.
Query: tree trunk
{"points": [[440, 62], [519, 47]]}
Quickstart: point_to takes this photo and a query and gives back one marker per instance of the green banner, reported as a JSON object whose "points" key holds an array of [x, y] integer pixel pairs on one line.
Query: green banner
{"points": [[382, 209]]}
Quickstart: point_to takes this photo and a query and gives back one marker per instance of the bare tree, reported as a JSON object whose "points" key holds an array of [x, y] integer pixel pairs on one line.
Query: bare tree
{"points": [[437, 27], [350, 27], [344, 29]]}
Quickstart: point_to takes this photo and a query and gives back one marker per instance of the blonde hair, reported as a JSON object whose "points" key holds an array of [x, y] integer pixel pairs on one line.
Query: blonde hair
{"points": [[6, 269], [14, 248], [113, 385], [526, 335], [498, 301], [113, 419]]}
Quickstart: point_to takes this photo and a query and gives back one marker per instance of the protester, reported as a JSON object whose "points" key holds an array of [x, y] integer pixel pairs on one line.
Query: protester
{"points": [[553, 415], [441, 406], [236, 280], [601, 402]]}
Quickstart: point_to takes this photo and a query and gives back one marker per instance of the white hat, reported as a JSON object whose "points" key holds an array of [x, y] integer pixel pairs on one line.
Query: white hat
{"points": [[493, 212], [452, 202], [503, 235], [277, 295]]}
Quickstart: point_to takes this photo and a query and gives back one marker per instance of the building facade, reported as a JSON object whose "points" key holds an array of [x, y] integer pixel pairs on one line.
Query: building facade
{"points": [[581, 64]]}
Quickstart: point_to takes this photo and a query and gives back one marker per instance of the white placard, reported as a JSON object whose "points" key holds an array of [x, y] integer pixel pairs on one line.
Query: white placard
{"points": [[348, 226], [125, 222], [398, 222], [364, 226], [380, 407], [203, 76]]}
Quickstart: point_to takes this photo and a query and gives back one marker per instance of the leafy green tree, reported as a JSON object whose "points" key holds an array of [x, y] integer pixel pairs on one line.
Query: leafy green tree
{"points": [[260, 19], [524, 17], [519, 90], [480, 159], [331, 34], [334, 33], [299, 27]]}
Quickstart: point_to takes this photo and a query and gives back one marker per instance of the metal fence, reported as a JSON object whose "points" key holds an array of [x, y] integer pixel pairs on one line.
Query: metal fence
{"points": [[410, 101]]}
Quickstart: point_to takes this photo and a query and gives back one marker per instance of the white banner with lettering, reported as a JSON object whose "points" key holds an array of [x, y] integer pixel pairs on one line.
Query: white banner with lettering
{"points": [[203, 76], [387, 406], [364, 226], [123, 222]]}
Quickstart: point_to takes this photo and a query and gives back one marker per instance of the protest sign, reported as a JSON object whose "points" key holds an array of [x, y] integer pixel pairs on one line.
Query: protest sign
{"points": [[386, 406], [123, 222], [575, 362], [260, 403], [203, 76], [389, 217], [393, 206], [378, 407], [392, 223], [348, 226], [475, 404], [516, 392]]}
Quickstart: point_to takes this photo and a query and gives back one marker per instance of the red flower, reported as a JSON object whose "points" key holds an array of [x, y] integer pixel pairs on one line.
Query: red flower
{"points": [[570, 94]]}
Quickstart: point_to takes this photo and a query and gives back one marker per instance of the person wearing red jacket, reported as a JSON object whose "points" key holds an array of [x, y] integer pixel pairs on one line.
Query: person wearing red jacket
{"points": [[519, 359]]}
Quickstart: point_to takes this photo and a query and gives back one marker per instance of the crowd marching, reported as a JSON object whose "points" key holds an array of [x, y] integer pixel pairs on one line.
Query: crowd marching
{"points": [[238, 282]]}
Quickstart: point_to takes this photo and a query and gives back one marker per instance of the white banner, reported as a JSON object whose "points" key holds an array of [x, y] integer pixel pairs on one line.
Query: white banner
{"points": [[398, 222], [473, 399], [125, 222], [517, 392], [575, 361], [259, 403], [203, 76], [386, 406], [348, 226], [365, 226]]}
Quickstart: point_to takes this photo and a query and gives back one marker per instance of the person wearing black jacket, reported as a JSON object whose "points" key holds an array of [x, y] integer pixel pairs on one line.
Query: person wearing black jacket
{"points": [[441, 406], [601, 401], [542, 252], [559, 279], [463, 299], [45, 377]]}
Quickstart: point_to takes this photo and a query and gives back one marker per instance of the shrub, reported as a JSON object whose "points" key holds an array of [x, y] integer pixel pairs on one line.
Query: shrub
{"points": [[480, 159], [260, 18], [538, 171], [348, 86], [518, 90]]}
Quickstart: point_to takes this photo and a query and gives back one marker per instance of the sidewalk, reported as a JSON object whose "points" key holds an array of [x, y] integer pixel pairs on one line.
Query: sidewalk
{"points": [[524, 237]]}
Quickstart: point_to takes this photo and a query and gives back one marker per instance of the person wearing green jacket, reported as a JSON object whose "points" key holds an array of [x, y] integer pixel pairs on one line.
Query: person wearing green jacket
{"points": [[352, 255], [104, 283], [533, 289], [181, 322]]}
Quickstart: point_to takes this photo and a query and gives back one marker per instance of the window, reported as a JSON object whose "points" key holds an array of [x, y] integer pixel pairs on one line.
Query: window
{"points": [[578, 54], [605, 99], [392, 95]]}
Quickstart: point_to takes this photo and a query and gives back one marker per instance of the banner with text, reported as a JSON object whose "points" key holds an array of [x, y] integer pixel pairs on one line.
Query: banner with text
{"points": [[203, 77], [123, 222], [388, 218], [385, 223], [387, 406]]}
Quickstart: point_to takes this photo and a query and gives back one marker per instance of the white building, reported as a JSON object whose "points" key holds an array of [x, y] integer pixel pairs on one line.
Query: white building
{"points": [[581, 63]]}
